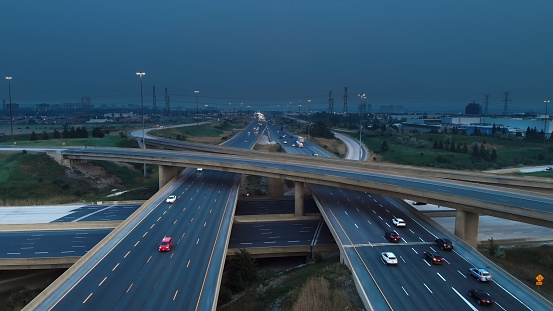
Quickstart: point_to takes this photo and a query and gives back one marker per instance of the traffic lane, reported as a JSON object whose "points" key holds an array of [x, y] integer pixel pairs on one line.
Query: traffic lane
{"points": [[360, 219], [401, 283], [112, 277], [277, 206], [45, 244], [451, 274], [344, 221], [100, 212], [146, 235], [267, 234]]}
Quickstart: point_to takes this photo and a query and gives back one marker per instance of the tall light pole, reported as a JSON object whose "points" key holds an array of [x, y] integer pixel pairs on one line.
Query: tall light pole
{"points": [[140, 75], [10, 96], [299, 114], [361, 96], [545, 121], [308, 116], [205, 115], [197, 109], [229, 110], [241, 105]]}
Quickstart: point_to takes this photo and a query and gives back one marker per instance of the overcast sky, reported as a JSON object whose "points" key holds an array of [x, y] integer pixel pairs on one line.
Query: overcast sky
{"points": [[424, 55]]}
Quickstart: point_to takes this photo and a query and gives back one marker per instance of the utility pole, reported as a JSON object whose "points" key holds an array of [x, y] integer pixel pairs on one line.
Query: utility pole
{"points": [[486, 101], [362, 96], [330, 103], [154, 103], [167, 103], [345, 100], [545, 118], [505, 102]]}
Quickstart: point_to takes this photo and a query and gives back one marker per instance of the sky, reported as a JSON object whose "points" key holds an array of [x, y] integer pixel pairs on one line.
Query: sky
{"points": [[424, 55]]}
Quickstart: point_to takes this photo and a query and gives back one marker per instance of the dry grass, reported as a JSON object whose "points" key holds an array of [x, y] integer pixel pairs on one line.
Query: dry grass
{"points": [[319, 295], [333, 145]]}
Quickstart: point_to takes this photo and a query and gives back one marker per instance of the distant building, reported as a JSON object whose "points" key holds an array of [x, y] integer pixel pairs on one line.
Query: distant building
{"points": [[473, 108]]}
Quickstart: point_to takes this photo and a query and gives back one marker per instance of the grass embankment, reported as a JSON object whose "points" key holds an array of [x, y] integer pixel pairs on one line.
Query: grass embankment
{"points": [[317, 286], [36, 179], [525, 263], [212, 133], [418, 150]]}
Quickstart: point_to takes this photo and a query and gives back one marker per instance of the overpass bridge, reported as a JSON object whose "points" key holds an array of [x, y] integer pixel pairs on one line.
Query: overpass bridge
{"points": [[469, 199]]}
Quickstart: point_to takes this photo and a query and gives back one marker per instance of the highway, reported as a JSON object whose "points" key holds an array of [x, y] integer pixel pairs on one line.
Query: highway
{"points": [[360, 219], [135, 275], [365, 255], [47, 244], [126, 271]]}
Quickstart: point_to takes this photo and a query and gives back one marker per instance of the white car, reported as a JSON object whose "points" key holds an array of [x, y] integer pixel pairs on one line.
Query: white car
{"points": [[398, 222], [389, 258], [199, 169], [285, 142], [171, 199]]}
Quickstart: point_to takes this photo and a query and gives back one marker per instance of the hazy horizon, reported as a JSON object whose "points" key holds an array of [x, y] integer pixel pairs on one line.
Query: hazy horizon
{"points": [[426, 56]]}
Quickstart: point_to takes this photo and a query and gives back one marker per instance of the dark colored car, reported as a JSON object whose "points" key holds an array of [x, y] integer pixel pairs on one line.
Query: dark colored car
{"points": [[444, 244], [434, 258], [392, 236], [481, 297]]}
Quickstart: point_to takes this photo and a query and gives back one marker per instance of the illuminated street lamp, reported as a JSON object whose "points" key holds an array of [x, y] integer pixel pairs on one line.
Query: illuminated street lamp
{"points": [[10, 95], [197, 109], [140, 75]]}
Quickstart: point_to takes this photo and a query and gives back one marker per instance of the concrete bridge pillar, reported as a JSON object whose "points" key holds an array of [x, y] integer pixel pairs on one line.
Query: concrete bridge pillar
{"points": [[166, 173], [276, 187], [298, 196], [466, 226]]}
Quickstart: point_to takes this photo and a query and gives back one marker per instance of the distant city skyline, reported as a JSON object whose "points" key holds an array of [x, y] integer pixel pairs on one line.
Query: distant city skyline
{"points": [[427, 56]]}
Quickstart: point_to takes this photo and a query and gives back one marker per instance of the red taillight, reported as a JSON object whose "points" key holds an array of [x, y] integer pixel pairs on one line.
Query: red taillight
{"points": [[483, 300]]}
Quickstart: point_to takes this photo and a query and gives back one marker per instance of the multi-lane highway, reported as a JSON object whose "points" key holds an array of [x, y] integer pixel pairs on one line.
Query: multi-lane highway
{"points": [[360, 220], [354, 247]]}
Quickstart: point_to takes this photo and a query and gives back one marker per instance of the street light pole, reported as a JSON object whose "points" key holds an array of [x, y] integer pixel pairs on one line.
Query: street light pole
{"points": [[229, 110], [10, 96], [299, 114], [140, 75], [545, 121], [197, 109], [308, 117], [205, 115], [361, 96]]}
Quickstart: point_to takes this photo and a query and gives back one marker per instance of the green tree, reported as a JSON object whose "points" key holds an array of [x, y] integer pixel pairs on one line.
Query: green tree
{"points": [[45, 136], [384, 147], [33, 136], [242, 271]]}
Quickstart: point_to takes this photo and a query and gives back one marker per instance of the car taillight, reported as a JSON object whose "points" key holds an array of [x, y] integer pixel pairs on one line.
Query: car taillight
{"points": [[434, 259]]}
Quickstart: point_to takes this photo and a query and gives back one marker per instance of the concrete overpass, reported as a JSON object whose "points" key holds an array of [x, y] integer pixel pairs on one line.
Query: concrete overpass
{"points": [[469, 199]]}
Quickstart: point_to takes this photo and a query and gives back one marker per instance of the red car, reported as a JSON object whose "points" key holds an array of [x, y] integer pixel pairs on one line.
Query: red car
{"points": [[166, 244]]}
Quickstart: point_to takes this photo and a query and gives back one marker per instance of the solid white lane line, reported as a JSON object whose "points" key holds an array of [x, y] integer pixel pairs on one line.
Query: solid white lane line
{"points": [[468, 303]]}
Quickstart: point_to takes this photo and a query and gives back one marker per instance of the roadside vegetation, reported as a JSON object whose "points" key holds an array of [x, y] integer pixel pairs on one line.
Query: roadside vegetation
{"points": [[525, 263], [324, 284]]}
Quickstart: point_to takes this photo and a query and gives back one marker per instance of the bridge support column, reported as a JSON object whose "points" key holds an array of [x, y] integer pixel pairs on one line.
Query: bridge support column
{"points": [[276, 187], [166, 173], [466, 226], [298, 195]]}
